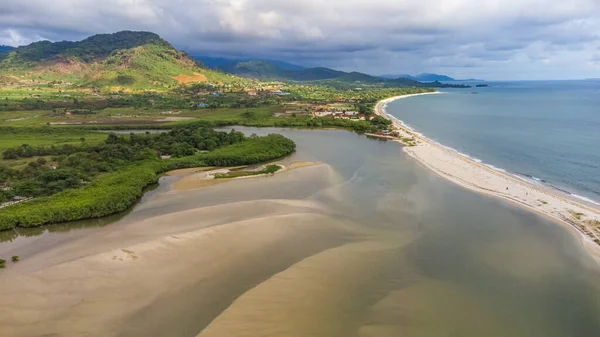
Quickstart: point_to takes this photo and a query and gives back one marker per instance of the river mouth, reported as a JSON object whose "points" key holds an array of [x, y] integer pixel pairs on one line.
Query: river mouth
{"points": [[366, 244]]}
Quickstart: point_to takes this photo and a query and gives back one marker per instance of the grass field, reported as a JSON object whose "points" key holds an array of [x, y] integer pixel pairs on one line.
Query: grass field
{"points": [[231, 114], [37, 138], [127, 115]]}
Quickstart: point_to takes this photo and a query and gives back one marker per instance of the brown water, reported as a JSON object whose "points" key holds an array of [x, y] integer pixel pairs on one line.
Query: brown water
{"points": [[376, 246]]}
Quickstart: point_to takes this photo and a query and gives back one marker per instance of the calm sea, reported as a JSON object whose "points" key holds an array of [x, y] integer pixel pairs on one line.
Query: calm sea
{"points": [[547, 132]]}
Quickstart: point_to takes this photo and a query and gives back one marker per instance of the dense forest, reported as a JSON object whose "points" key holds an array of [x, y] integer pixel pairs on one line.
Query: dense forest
{"points": [[77, 182], [268, 70], [88, 50], [67, 166]]}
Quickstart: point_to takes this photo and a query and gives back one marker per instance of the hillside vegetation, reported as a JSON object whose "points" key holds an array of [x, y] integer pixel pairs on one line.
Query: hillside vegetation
{"points": [[222, 63], [266, 70], [91, 49], [136, 60], [5, 49], [143, 60]]}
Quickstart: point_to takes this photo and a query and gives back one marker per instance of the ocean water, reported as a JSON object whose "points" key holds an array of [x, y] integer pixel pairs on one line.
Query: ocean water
{"points": [[546, 132]]}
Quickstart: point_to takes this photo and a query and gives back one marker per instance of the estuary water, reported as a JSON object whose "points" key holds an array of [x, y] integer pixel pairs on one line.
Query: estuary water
{"points": [[544, 132], [382, 247]]}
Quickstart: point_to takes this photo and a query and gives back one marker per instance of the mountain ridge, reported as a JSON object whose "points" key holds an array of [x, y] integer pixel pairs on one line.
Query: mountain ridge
{"points": [[428, 77], [5, 49], [424, 77], [220, 62], [143, 60], [140, 60], [265, 70], [90, 49]]}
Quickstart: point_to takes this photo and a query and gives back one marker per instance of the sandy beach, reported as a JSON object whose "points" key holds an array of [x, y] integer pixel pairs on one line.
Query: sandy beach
{"points": [[585, 219]]}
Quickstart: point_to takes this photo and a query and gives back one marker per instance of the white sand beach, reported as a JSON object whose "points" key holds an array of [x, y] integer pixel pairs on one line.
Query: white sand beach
{"points": [[585, 219]]}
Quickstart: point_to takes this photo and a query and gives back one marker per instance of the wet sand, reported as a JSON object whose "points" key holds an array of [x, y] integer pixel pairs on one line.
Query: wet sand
{"points": [[179, 271], [369, 245], [114, 292], [319, 288]]}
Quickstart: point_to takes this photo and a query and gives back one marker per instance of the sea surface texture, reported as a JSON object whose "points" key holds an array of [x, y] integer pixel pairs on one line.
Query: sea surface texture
{"points": [[545, 132]]}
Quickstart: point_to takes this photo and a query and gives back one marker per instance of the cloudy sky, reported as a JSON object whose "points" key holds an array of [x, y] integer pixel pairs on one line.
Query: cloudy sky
{"points": [[490, 39]]}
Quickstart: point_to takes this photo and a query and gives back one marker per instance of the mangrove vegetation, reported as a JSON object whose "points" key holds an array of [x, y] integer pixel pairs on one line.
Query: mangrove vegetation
{"points": [[70, 183]]}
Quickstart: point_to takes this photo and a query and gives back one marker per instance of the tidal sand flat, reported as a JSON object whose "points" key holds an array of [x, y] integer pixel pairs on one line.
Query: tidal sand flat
{"points": [[195, 178], [481, 178], [167, 265], [366, 244]]}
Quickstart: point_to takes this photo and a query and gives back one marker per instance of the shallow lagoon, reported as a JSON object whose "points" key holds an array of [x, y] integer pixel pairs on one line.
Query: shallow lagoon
{"points": [[380, 247]]}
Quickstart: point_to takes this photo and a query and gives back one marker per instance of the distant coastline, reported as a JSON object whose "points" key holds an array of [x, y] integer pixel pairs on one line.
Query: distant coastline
{"points": [[476, 176]]}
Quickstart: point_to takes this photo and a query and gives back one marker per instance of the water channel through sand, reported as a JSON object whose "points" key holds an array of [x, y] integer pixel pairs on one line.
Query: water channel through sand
{"points": [[367, 244]]}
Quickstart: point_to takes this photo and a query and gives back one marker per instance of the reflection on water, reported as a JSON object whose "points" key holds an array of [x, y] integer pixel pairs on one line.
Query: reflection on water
{"points": [[9, 236], [20, 234], [376, 246]]}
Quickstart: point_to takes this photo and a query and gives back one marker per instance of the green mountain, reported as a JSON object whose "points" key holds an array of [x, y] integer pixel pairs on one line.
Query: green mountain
{"points": [[5, 49], [265, 70], [426, 77], [143, 60], [222, 62], [256, 69], [138, 60]]}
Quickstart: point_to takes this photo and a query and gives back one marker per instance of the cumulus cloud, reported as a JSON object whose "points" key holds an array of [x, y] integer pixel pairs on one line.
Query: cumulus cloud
{"points": [[472, 38]]}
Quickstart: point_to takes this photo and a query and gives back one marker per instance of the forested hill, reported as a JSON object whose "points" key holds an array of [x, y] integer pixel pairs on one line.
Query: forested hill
{"points": [[143, 60], [266, 70], [136, 60], [5, 49], [270, 71], [425, 77], [92, 49], [224, 63]]}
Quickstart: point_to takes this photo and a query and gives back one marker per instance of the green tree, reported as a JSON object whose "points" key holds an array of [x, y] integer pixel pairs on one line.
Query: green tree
{"points": [[112, 138], [381, 122]]}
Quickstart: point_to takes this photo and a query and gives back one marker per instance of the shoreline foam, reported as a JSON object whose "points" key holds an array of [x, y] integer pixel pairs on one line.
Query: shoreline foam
{"points": [[477, 176]]}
